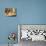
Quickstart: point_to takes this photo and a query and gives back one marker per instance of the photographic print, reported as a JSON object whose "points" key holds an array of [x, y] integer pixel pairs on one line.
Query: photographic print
{"points": [[10, 11]]}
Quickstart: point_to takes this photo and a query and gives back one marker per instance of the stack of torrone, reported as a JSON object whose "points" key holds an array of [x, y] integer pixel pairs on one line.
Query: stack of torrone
{"points": [[10, 11]]}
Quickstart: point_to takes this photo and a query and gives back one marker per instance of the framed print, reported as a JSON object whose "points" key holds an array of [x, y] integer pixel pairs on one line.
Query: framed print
{"points": [[10, 12]]}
